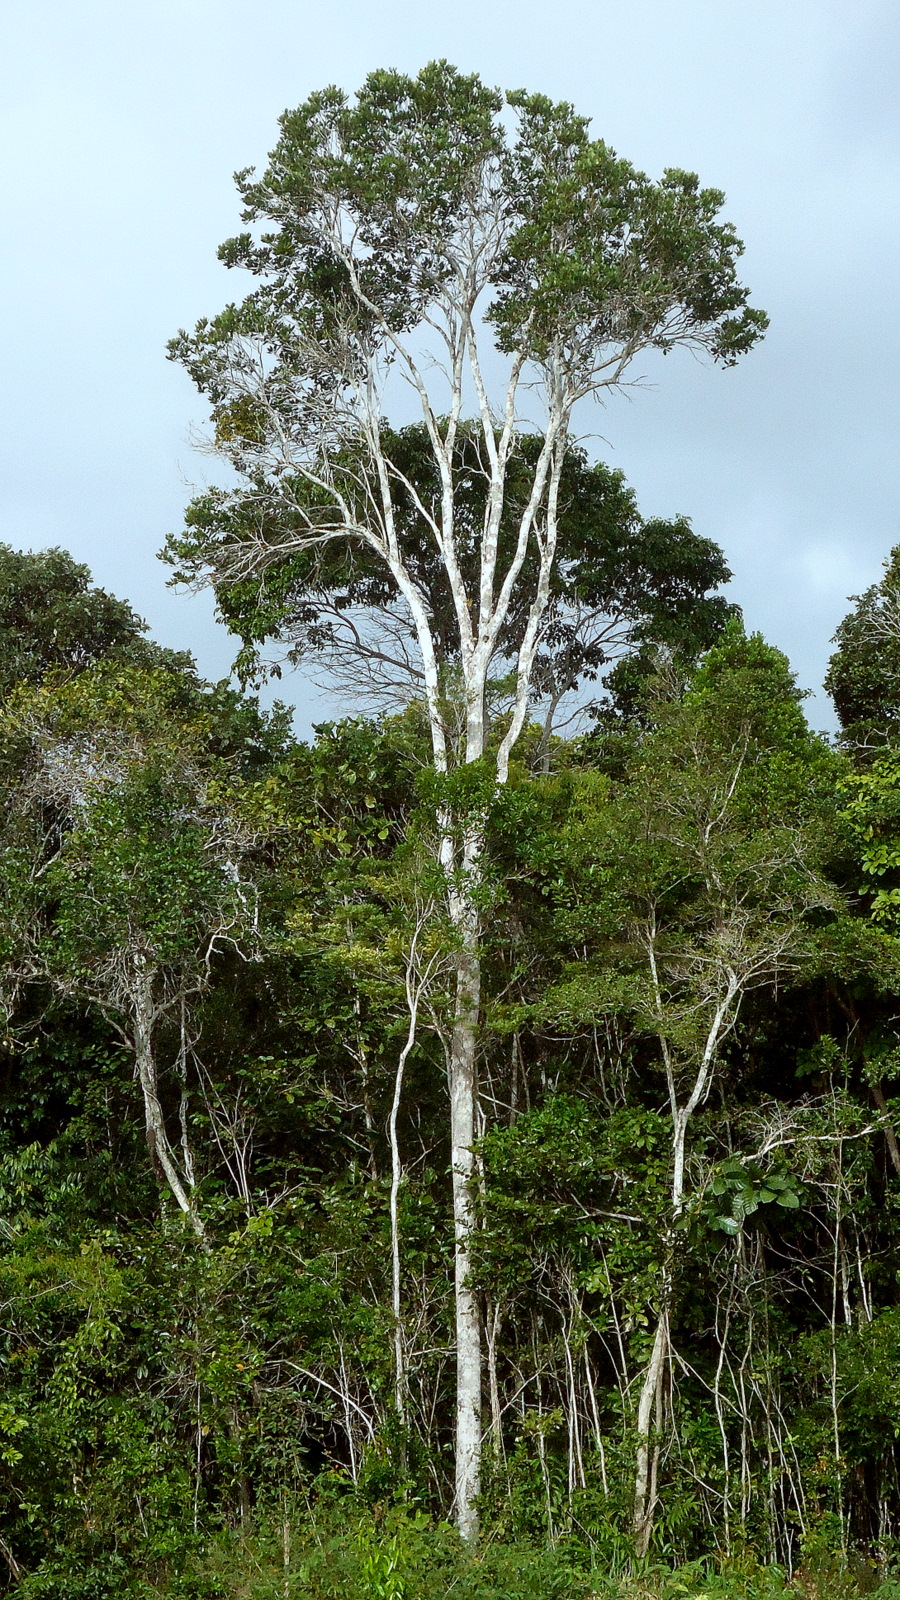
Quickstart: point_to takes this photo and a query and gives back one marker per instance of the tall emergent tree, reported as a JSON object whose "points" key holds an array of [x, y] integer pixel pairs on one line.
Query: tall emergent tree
{"points": [[437, 238]]}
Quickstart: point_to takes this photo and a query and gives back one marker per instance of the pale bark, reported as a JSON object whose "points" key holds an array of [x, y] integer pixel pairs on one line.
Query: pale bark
{"points": [[724, 1012], [645, 1476], [722, 1340], [161, 1153], [10, 1560], [463, 1089], [396, 1176], [833, 1374], [493, 1335], [889, 1135], [415, 983], [645, 1481]]}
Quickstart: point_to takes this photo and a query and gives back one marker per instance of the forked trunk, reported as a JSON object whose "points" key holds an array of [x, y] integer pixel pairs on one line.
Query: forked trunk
{"points": [[651, 1400], [649, 1410], [161, 1154]]}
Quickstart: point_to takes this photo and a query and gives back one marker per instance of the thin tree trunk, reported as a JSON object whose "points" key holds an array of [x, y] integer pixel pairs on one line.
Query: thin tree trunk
{"points": [[10, 1560], [889, 1134], [644, 1492], [396, 1177], [835, 1406], [344, 1393], [362, 1057], [493, 1332], [161, 1154], [645, 1476], [722, 1341], [595, 1413], [514, 1079], [576, 1455]]}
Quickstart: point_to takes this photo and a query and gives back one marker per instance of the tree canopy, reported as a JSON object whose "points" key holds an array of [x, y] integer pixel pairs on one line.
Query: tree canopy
{"points": [[52, 618]]}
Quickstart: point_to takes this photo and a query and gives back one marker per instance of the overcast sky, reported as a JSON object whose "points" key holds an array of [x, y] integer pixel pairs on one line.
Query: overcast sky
{"points": [[122, 124]]}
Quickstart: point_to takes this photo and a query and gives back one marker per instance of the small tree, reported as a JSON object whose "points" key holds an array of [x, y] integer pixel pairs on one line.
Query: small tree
{"points": [[53, 619], [705, 867], [863, 676], [395, 232], [125, 867]]}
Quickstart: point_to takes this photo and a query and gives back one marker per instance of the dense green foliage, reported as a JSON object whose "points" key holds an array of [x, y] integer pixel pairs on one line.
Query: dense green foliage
{"points": [[864, 672], [214, 1412], [623, 580]]}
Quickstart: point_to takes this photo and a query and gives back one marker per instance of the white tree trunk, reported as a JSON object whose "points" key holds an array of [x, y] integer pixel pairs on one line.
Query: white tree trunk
{"points": [[396, 1178], [651, 1391], [463, 1088], [161, 1154], [651, 1397]]}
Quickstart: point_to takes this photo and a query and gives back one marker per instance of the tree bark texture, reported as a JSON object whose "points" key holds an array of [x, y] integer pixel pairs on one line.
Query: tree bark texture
{"points": [[463, 1086], [651, 1398], [161, 1154]]}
